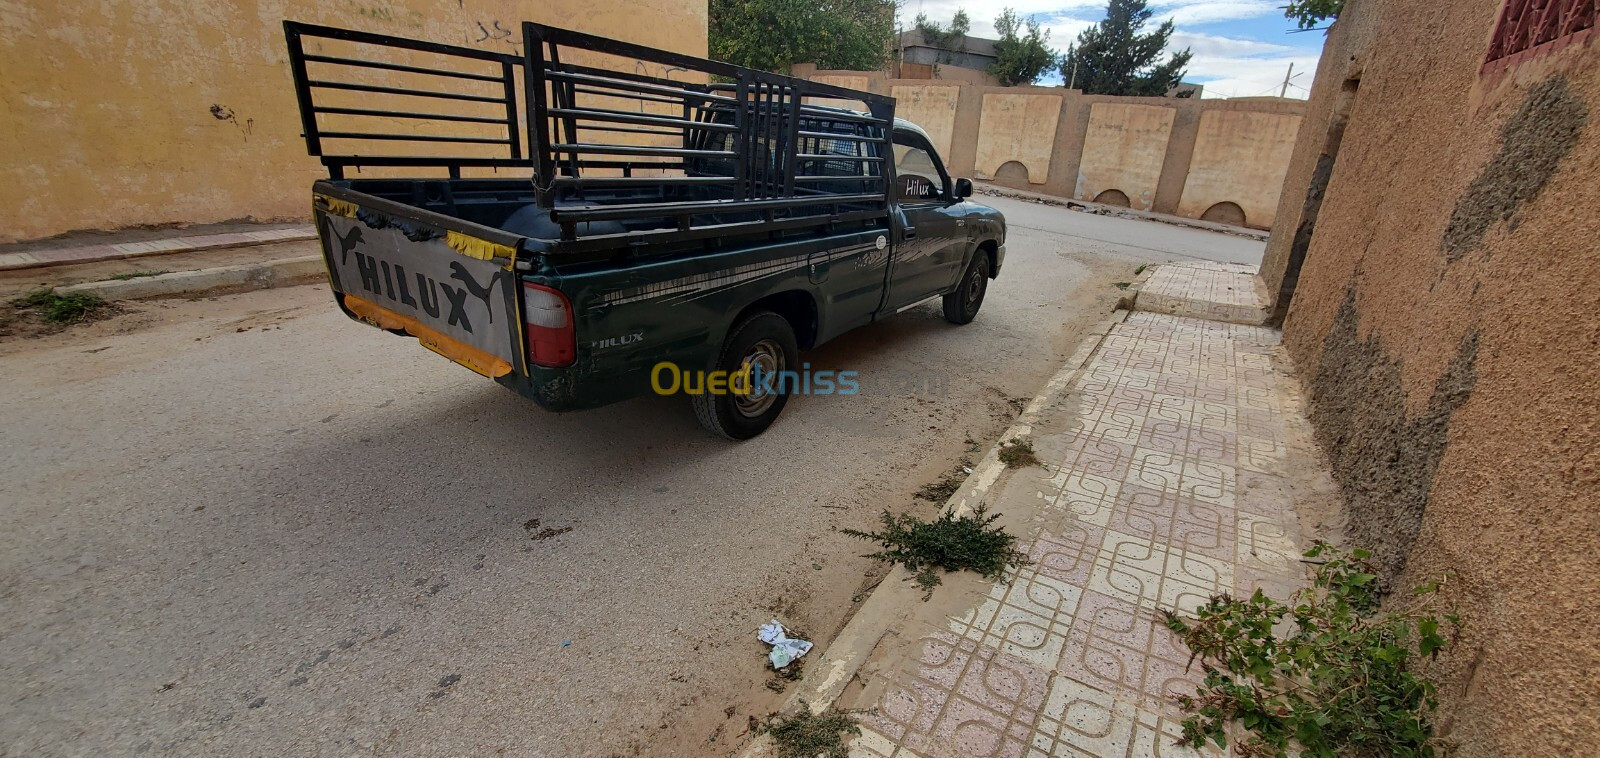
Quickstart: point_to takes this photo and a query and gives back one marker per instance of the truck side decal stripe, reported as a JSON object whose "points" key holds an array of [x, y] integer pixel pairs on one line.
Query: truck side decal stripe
{"points": [[717, 280]]}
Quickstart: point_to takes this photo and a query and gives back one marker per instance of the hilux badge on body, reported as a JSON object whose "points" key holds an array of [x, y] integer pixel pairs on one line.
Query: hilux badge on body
{"points": [[626, 339]]}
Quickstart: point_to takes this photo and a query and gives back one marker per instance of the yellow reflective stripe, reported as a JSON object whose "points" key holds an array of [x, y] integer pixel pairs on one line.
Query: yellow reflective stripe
{"points": [[339, 207], [489, 365], [472, 247]]}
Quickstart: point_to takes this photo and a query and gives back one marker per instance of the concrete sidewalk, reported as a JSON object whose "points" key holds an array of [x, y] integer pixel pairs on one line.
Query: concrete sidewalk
{"points": [[63, 255], [1175, 457]]}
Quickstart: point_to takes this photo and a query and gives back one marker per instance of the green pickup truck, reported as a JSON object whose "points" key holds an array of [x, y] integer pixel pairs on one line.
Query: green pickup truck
{"points": [[667, 218]]}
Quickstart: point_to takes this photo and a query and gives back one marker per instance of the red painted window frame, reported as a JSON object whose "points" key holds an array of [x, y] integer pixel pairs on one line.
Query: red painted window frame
{"points": [[1533, 27]]}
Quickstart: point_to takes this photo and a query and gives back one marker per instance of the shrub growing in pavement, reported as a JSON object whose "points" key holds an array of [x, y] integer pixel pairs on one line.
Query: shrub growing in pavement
{"points": [[1342, 681], [969, 543]]}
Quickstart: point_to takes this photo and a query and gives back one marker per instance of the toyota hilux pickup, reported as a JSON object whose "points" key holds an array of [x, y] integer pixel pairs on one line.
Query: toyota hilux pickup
{"points": [[664, 214]]}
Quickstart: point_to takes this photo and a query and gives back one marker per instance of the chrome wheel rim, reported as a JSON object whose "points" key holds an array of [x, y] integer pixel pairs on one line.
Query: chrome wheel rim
{"points": [[765, 359]]}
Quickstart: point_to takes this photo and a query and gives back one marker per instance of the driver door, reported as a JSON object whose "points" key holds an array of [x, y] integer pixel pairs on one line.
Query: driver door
{"points": [[932, 239]]}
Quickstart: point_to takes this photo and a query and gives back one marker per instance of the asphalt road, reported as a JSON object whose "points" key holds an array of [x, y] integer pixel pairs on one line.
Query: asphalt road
{"points": [[248, 526]]}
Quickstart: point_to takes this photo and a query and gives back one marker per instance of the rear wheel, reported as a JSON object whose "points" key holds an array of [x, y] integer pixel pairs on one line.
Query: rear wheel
{"points": [[765, 342], [961, 306]]}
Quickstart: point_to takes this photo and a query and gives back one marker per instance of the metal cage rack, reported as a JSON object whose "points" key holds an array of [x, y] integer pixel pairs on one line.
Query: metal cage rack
{"points": [[622, 140]]}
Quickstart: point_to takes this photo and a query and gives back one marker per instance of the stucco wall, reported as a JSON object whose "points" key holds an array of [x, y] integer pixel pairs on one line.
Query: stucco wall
{"points": [[932, 107], [1446, 323], [164, 111], [1009, 131], [1239, 157], [1063, 142], [1344, 54], [1124, 149]]}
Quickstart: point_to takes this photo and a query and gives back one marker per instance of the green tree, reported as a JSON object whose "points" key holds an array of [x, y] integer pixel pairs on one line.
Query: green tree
{"points": [[1022, 57], [773, 35], [1116, 57], [1308, 13], [948, 38]]}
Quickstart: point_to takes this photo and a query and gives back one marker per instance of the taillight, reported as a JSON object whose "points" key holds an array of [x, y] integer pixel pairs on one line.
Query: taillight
{"points": [[552, 341]]}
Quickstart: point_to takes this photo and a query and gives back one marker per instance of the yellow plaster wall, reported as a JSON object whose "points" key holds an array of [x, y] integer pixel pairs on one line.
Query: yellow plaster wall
{"points": [[1018, 128], [1240, 157], [132, 112], [1124, 149], [932, 107]]}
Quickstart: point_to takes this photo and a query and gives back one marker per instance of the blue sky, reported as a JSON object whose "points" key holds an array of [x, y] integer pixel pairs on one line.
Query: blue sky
{"points": [[1241, 48]]}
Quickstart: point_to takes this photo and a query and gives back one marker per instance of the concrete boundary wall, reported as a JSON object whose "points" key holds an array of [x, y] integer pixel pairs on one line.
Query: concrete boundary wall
{"points": [[1222, 160], [130, 114]]}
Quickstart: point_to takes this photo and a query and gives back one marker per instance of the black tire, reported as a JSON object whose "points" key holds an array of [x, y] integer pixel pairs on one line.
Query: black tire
{"points": [[961, 306], [761, 335]]}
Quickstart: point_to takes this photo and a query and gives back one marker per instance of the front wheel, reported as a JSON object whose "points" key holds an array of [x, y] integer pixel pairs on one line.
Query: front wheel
{"points": [[961, 306], [765, 342]]}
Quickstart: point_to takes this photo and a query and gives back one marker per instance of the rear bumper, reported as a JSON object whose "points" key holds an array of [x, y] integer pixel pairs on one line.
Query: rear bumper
{"points": [[555, 389]]}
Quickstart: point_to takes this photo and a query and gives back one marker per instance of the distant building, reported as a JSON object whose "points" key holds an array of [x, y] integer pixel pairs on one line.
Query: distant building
{"points": [[919, 59], [1186, 89]]}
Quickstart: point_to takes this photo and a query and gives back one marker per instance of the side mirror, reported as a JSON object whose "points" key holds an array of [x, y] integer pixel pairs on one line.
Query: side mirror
{"points": [[963, 188]]}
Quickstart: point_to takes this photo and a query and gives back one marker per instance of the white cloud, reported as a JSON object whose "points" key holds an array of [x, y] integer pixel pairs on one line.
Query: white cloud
{"points": [[1251, 77], [1195, 12], [984, 12], [1216, 45]]}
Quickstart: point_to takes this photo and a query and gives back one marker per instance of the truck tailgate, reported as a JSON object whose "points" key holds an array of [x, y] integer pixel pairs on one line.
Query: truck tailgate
{"points": [[457, 294]]}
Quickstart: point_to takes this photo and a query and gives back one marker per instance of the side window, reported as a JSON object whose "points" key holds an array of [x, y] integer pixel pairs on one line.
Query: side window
{"points": [[918, 177]]}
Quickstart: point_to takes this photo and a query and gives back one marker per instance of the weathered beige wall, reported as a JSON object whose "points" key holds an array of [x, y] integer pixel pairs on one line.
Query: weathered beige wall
{"points": [[1239, 157], [932, 107], [1009, 131], [1124, 149], [1447, 325], [848, 81], [1065, 143], [108, 105], [1345, 53]]}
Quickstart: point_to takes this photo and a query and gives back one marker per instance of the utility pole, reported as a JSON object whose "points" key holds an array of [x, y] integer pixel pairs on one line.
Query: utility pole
{"points": [[1284, 92]]}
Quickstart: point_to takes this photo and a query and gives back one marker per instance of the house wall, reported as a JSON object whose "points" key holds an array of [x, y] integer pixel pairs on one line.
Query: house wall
{"points": [[1063, 142], [1446, 324], [169, 112]]}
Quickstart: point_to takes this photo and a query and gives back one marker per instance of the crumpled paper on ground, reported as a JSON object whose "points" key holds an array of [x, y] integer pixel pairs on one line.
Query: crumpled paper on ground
{"points": [[784, 650]]}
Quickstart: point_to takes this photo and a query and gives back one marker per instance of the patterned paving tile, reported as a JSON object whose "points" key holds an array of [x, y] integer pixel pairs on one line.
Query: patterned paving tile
{"points": [[1163, 487]]}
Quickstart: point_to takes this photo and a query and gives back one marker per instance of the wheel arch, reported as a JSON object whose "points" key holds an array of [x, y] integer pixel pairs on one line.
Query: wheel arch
{"points": [[991, 249], [797, 306]]}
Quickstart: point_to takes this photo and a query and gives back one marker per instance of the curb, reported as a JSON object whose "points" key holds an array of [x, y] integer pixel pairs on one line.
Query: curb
{"points": [[1184, 306], [831, 671], [1118, 211], [120, 251], [264, 275]]}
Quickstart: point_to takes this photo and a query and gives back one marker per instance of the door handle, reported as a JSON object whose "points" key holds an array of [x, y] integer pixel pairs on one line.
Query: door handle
{"points": [[909, 234]]}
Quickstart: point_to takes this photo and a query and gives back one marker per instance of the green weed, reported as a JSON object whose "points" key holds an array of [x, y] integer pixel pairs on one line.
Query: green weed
{"points": [[1018, 453], [56, 308], [809, 735], [1341, 681], [968, 543]]}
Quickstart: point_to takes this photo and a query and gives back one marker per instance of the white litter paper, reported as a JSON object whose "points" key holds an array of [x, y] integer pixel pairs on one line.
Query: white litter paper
{"points": [[784, 650]]}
